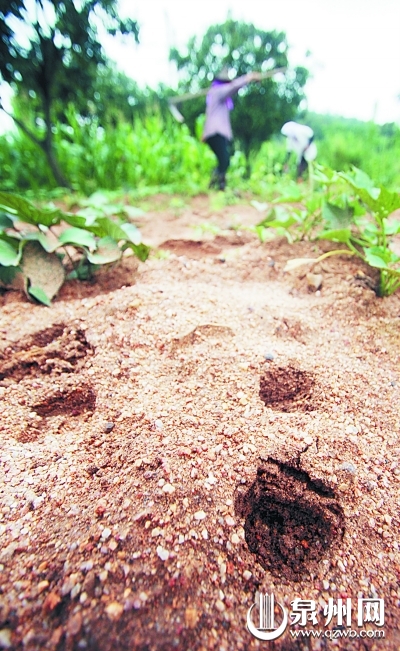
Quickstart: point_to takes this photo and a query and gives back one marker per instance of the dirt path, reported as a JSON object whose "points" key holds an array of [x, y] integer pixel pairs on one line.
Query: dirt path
{"points": [[179, 438]]}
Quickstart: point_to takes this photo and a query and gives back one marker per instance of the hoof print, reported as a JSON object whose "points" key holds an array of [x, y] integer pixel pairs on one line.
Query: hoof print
{"points": [[291, 521], [57, 349], [73, 402], [288, 389]]}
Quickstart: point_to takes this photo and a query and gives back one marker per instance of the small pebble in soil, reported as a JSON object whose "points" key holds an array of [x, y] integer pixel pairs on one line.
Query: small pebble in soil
{"points": [[199, 515], [5, 638], [269, 357], [106, 533], [347, 466], [191, 617], [108, 427], [162, 553], [114, 610], [74, 624]]}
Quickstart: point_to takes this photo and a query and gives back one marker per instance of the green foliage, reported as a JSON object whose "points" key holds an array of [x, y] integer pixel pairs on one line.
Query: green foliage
{"points": [[343, 143], [42, 255], [117, 97], [156, 154], [49, 53], [350, 210], [261, 109]]}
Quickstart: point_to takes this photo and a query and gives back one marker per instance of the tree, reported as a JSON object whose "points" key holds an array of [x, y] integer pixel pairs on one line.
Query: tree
{"points": [[118, 97], [260, 109], [49, 53]]}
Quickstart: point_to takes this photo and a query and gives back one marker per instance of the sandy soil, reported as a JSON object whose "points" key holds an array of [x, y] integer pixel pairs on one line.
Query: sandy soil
{"points": [[185, 434]]}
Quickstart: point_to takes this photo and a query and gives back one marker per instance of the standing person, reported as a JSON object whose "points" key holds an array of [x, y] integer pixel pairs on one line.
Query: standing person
{"points": [[217, 129], [299, 140]]}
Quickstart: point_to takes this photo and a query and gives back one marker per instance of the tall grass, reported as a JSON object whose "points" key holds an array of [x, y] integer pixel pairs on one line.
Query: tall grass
{"points": [[151, 152], [155, 152], [366, 145]]}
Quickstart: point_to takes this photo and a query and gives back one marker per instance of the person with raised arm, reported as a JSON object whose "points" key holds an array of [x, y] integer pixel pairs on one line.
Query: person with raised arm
{"points": [[217, 128]]}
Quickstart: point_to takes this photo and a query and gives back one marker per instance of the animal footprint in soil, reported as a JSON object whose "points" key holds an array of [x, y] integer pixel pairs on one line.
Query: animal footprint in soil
{"points": [[290, 520], [289, 389]]}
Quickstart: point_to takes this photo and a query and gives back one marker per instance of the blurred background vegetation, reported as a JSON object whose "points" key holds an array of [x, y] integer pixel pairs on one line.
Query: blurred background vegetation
{"points": [[81, 124]]}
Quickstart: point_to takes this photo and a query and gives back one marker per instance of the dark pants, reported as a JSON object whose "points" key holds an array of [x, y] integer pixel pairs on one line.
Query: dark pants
{"points": [[221, 147], [303, 165]]}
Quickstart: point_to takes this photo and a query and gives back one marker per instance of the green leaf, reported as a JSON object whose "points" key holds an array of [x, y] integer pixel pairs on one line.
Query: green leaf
{"points": [[89, 216], [265, 234], [266, 222], [368, 233], [111, 209], [5, 221], [392, 228], [77, 237], [260, 230], [361, 181], [324, 175], [47, 243], [313, 204], [283, 223], [379, 200], [141, 251], [27, 212], [40, 295], [107, 251], [336, 235], [381, 257], [84, 271], [335, 216], [77, 220], [98, 199], [280, 216], [375, 260], [133, 234], [293, 197], [388, 201], [365, 225], [7, 275], [282, 232], [105, 227], [9, 255]]}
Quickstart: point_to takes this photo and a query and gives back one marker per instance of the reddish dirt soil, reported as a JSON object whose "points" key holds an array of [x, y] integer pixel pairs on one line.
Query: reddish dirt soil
{"points": [[180, 436]]}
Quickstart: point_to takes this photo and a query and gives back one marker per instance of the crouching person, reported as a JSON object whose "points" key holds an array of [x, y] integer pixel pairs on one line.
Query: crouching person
{"points": [[300, 140]]}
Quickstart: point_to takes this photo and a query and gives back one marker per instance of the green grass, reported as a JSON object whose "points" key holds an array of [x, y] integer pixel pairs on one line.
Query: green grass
{"points": [[155, 155]]}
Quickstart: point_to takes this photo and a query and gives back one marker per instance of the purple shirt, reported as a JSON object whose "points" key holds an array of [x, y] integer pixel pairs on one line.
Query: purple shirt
{"points": [[217, 109]]}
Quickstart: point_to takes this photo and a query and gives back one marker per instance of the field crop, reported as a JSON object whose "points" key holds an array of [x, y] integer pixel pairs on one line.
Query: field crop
{"points": [[156, 152]]}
